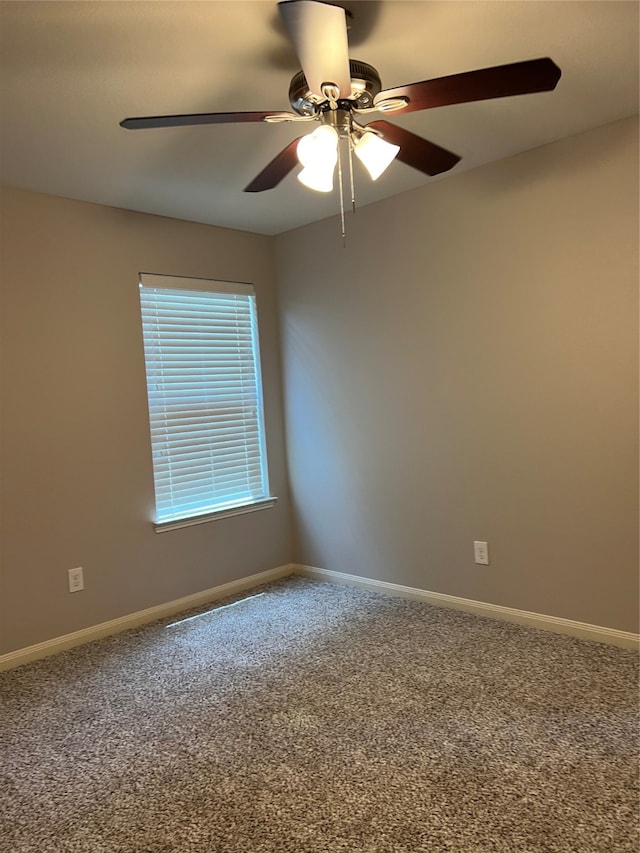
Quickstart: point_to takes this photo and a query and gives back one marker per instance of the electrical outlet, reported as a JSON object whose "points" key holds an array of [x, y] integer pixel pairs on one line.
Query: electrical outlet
{"points": [[76, 579], [481, 552]]}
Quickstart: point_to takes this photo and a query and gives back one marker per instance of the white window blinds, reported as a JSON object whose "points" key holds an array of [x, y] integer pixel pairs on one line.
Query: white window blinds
{"points": [[205, 395]]}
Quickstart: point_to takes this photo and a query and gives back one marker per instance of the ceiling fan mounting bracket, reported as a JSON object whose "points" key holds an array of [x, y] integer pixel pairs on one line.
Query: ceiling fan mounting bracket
{"points": [[365, 85]]}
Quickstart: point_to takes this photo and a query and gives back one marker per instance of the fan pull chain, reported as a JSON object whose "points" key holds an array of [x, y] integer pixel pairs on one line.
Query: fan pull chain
{"points": [[344, 233], [353, 191]]}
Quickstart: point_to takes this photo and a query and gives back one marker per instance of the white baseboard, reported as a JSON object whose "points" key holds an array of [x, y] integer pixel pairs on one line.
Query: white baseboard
{"points": [[625, 639], [141, 617], [558, 625]]}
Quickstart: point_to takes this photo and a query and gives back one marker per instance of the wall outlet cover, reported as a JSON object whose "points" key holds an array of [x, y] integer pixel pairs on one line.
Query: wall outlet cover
{"points": [[481, 553], [76, 579]]}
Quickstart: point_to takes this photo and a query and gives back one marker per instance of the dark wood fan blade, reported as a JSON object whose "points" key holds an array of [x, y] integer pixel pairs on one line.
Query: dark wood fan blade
{"points": [[193, 119], [415, 151], [276, 170], [519, 78]]}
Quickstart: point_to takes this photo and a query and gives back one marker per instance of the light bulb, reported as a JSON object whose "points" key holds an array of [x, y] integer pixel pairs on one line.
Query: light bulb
{"points": [[374, 153], [318, 153]]}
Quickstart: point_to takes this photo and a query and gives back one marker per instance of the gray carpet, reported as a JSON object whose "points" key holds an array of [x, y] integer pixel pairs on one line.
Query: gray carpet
{"points": [[318, 718]]}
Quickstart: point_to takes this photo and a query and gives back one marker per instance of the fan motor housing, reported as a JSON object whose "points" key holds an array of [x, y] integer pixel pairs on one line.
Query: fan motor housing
{"points": [[365, 85]]}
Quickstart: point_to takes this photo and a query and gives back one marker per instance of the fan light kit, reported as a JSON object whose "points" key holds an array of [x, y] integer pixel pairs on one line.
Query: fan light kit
{"points": [[337, 93]]}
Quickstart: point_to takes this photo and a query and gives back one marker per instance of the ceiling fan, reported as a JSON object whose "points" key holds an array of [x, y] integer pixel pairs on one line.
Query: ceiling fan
{"points": [[337, 93]]}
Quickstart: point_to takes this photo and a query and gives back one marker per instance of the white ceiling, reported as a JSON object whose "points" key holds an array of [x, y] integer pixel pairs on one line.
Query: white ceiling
{"points": [[71, 71]]}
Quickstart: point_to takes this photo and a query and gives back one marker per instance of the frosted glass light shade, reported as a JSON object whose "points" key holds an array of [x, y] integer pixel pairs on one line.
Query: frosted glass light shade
{"points": [[374, 153], [318, 153], [320, 180]]}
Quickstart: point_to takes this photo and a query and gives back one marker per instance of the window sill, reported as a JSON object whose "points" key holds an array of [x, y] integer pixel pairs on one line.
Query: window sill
{"points": [[164, 526]]}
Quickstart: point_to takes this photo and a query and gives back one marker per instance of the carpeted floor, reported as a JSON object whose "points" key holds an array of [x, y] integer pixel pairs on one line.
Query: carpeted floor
{"points": [[317, 718]]}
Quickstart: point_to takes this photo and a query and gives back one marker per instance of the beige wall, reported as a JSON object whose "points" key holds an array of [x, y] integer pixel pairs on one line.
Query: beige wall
{"points": [[77, 486], [467, 368]]}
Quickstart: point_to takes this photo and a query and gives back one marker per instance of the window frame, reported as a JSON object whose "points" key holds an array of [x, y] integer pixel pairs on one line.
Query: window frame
{"points": [[266, 500]]}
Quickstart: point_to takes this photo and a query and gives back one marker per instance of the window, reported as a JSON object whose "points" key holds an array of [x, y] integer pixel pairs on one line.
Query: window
{"points": [[205, 398]]}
